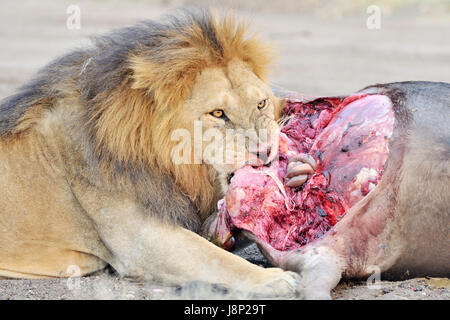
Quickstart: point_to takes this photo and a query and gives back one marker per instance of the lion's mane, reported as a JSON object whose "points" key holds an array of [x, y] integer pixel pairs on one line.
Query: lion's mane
{"points": [[131, 83]]}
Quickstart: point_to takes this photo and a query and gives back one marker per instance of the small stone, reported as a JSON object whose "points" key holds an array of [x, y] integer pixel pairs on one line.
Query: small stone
{"points": [[386, 290]]}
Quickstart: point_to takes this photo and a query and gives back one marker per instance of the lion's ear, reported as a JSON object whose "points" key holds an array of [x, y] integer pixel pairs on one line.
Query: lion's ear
{"points": [[170, 79], [143, 72]]}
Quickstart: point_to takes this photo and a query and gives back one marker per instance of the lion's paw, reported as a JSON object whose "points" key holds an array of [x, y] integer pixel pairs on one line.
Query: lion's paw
{"points": [[280, 283]]}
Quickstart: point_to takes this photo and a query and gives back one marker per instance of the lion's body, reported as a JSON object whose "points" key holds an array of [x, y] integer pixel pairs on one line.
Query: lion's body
{"points": [[86, 171], [43, 229]]}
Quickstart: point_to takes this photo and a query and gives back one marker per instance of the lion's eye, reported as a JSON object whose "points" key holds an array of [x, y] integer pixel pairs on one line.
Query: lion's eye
{"points": [[262, 104], [219, 114]]}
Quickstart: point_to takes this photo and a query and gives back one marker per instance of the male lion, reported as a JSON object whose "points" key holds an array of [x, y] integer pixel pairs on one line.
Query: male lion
{"points": [[85, 153]]}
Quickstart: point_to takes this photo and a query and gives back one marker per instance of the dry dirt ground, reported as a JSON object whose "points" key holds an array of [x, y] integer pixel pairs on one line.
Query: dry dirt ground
{"points": [[325, 48]]}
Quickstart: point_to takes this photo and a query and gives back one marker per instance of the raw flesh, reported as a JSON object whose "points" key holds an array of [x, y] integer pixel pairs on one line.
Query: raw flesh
{"points": [[349, 140]]}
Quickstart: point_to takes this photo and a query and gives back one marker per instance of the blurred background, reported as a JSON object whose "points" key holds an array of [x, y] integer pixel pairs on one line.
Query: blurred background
{"points": [[325, 47]]}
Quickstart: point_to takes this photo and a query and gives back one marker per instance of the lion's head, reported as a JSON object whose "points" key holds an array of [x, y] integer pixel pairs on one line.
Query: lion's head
{"points": [[228, 120], [195, 69]]}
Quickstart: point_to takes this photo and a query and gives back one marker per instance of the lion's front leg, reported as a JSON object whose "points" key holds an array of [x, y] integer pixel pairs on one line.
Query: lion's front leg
{"points": [[143, 247], [185, 256]]}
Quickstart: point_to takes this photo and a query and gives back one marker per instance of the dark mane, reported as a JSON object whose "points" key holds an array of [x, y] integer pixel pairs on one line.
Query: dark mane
{"points": [[43, 89]]}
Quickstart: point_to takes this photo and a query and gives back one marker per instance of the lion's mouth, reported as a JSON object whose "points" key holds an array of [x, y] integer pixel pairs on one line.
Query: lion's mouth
{"points": [[266, 155], [229, 177], [267, 152]]}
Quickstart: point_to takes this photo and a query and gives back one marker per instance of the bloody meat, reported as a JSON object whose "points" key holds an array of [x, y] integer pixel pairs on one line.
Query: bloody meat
{"points": [[349, 140]]}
